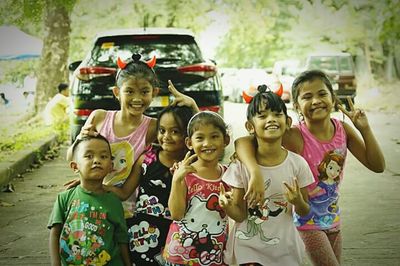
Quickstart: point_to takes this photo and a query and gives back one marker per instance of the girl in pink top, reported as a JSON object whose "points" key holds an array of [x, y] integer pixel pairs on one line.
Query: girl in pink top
{"points": [[128, 130], [323, 141], [197, 236]]}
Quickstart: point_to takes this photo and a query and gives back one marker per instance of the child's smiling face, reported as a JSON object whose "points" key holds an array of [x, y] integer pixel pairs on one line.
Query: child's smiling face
{"points": [[135, 95], [315, 101], [170, 135]]}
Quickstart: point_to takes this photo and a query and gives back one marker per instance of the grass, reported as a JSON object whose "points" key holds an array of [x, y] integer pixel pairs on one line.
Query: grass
{"points": [[21, 135]]}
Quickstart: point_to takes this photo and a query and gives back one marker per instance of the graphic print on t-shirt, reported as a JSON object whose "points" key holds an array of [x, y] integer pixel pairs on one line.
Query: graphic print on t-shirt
{"points": [[82, 239], [272, 207]]}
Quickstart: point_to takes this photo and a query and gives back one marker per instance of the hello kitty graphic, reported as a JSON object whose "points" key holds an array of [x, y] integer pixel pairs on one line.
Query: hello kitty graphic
{"points": [[201, 227]]}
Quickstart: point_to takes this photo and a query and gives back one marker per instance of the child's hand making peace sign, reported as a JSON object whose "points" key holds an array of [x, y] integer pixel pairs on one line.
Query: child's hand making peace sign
{"points": [[182, 99], [225, 197], [357, 116], [184, 167], [292, 192]]}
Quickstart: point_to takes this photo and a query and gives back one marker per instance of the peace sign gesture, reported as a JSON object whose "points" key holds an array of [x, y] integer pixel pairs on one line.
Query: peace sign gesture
{"points": [[181, 99], [357, 116], [292, 192], [225, 197], [184, 167]]}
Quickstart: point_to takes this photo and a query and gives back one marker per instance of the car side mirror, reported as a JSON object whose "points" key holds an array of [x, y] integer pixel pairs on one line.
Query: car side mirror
{"points": [[74, 65]]}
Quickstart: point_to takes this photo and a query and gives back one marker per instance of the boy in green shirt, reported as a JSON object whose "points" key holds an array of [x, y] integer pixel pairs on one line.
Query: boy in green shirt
{"points": [[87, 225]]}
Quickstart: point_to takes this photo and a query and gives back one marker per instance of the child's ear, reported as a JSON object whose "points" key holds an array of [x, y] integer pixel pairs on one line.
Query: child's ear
{"points": [[289, 122], [74, 166], [227, 140], [156, 90], [116, 92], [188, 143], [249, 126]]}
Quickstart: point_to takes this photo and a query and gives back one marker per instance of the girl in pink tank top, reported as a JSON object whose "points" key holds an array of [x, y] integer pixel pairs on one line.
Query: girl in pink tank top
{"points": [[323, 141], [128, 130]]}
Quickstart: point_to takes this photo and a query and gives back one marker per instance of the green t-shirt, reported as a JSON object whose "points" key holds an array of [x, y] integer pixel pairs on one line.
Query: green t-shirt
{"points": [[93, 227]]}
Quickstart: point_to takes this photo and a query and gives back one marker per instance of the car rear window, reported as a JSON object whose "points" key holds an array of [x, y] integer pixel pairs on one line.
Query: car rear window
{"points": [[338, 64], [173, 49]]}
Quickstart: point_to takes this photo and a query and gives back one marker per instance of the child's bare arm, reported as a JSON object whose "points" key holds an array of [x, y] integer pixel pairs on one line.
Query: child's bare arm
{"points": [[54, 245], [233, 203], [246, 151], [130, 184], [177, 197], [298, 197], [125, 254], [367, 149]]}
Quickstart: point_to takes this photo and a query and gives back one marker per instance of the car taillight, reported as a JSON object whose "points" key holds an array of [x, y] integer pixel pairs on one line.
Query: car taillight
{"points": [[213, 108], [88, 73], [205, 70], [82, 112]]}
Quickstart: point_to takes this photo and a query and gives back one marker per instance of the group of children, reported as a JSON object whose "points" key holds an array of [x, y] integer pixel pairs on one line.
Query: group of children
{"points": [[281, 196]]}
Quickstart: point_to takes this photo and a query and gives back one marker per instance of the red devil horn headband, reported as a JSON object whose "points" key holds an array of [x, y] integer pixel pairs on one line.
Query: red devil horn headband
{"points": [[247, 97], [136, 58]]}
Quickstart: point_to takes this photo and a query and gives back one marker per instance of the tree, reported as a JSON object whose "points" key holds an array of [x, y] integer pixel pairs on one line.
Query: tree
{"points": [[55, 34], [53, 63]]}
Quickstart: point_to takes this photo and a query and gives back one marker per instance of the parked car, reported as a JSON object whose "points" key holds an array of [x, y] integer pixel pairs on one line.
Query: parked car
{"points": [[340, 68], [179, 59], [251, 78], [231, 83]]}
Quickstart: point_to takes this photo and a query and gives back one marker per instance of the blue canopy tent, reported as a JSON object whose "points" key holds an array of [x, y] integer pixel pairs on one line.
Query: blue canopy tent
{"points": [[17, 45]]}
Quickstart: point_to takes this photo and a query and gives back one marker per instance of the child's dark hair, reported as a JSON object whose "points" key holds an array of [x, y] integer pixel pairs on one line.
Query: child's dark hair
{"points": [[87, 138], [137, 68], [62, 86], [205, 118], [181, 114], [263, 100], [310, 75]]}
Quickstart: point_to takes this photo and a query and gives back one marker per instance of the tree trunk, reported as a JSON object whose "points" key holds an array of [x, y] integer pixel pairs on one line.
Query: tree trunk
{"points": [[53, 63]]}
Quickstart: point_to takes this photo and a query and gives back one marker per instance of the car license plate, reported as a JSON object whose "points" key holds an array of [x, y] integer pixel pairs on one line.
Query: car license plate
{"points": [[335, 87], [160, 101]]}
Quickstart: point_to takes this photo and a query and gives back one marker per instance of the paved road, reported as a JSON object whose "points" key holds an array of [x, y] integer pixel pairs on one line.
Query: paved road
{"points": [[370, 204]]}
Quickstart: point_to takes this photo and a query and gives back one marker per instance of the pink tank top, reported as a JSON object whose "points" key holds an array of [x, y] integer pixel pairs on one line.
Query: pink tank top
{"points": [[326, 160], [125, 151]]}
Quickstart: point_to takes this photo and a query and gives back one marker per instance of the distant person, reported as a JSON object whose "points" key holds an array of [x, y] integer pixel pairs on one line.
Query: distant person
{"points": [[56, 109], [4, 100], [87, 225]]}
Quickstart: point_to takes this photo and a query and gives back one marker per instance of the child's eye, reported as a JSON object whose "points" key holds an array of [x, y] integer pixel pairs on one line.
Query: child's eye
{"points": [[88, 156], [161, 130]]}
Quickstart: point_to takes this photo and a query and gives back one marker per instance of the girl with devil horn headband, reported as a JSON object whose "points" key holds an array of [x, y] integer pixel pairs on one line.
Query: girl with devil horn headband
{"points": [[128, 130], [317, 135]]}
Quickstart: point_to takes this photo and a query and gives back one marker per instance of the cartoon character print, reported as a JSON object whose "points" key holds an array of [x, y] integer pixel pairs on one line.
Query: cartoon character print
{"points": [[199, 238], [123, 155], [324, 197], [81, 242], [272, 207]]}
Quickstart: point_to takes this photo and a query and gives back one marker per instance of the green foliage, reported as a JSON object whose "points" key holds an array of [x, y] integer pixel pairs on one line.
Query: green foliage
{"points": [[21, 136], [87, 21]]}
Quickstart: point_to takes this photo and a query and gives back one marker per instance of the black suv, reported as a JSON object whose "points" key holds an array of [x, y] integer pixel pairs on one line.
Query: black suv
{"points": [[178, 59], [340, 68]]}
